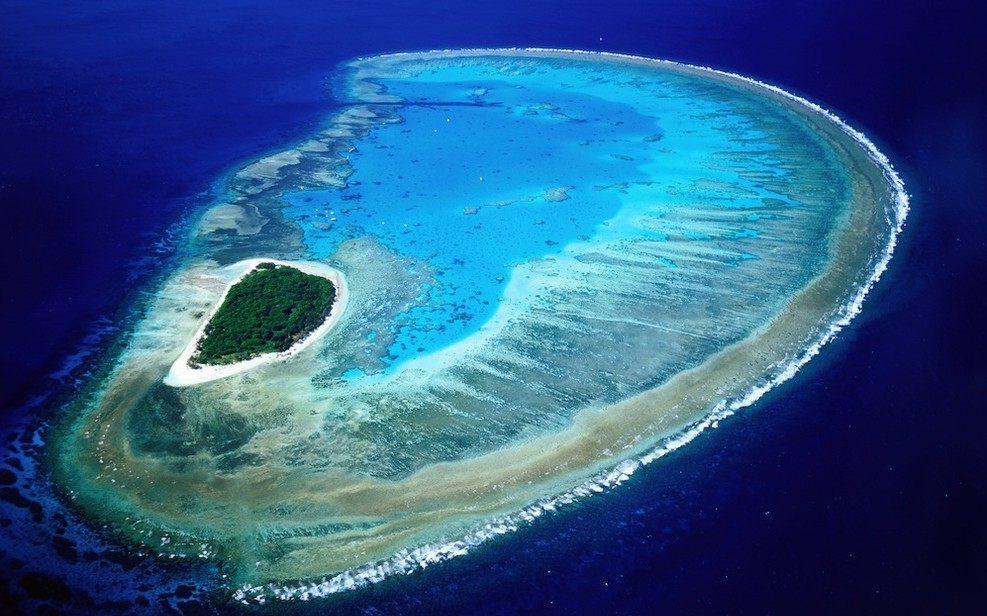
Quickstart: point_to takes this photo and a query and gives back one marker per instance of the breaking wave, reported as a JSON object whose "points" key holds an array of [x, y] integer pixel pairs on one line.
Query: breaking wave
{"points": [[423, 556]]}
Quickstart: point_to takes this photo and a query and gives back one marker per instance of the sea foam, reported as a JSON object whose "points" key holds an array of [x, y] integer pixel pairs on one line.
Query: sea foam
{"points": [[421, 557]]}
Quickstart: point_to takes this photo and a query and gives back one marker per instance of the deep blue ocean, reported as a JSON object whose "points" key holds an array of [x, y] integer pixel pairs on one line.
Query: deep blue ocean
{"points": [[860, 486]]}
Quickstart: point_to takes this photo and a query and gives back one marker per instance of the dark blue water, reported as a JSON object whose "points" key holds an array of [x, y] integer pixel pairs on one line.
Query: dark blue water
{"points": [[859, 486]]}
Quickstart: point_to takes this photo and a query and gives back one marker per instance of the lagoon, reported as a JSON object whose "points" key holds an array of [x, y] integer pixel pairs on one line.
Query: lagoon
{"points": [[560, 266]]}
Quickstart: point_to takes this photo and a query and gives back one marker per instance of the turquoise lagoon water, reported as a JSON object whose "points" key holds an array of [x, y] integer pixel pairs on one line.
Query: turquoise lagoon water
{"points": [[465, 181], [560, 266]]}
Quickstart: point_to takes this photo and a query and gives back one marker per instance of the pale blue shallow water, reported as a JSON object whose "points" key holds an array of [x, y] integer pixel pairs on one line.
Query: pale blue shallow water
{"points": [[472, 138]]}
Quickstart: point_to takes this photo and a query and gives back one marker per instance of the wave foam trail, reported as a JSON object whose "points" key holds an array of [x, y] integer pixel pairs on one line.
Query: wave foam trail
{"points": [[424, 556], [563, 271]]}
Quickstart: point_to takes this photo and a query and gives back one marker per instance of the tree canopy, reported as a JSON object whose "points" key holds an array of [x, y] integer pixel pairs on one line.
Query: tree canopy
{"points": [[269, 310]]}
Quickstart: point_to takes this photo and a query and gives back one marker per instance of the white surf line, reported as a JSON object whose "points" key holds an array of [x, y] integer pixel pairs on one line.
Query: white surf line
{"points": [[407, 561]]}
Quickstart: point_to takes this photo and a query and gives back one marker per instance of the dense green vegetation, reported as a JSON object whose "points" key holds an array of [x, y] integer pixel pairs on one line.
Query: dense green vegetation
{"points": [[267, 311]]}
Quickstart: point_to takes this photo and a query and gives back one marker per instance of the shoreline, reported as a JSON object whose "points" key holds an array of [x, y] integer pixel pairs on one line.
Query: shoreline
{"points": [[508, 487], [181, 374]]}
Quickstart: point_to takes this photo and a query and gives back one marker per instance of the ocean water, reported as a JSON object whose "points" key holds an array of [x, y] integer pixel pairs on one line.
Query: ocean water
{"points": [[729, 231], [853, 491]]}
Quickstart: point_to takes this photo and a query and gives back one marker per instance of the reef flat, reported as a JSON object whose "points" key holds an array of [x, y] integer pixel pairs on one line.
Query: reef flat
{"points": [[559, 265]]}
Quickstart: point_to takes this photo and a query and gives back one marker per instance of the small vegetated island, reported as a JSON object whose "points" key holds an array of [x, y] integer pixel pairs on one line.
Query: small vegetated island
{"points": [[268, 311]]}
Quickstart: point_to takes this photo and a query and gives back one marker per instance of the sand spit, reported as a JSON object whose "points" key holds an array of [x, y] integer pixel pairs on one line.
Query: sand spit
{"points": [[183, 374]]}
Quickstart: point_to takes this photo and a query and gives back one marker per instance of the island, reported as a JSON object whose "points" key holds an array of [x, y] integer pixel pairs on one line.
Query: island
{"points": [[491, 369], [271, 311]]}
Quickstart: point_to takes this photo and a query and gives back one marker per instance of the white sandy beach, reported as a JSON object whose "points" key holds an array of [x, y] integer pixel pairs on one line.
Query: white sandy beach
{"points": [[181, 374]]}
